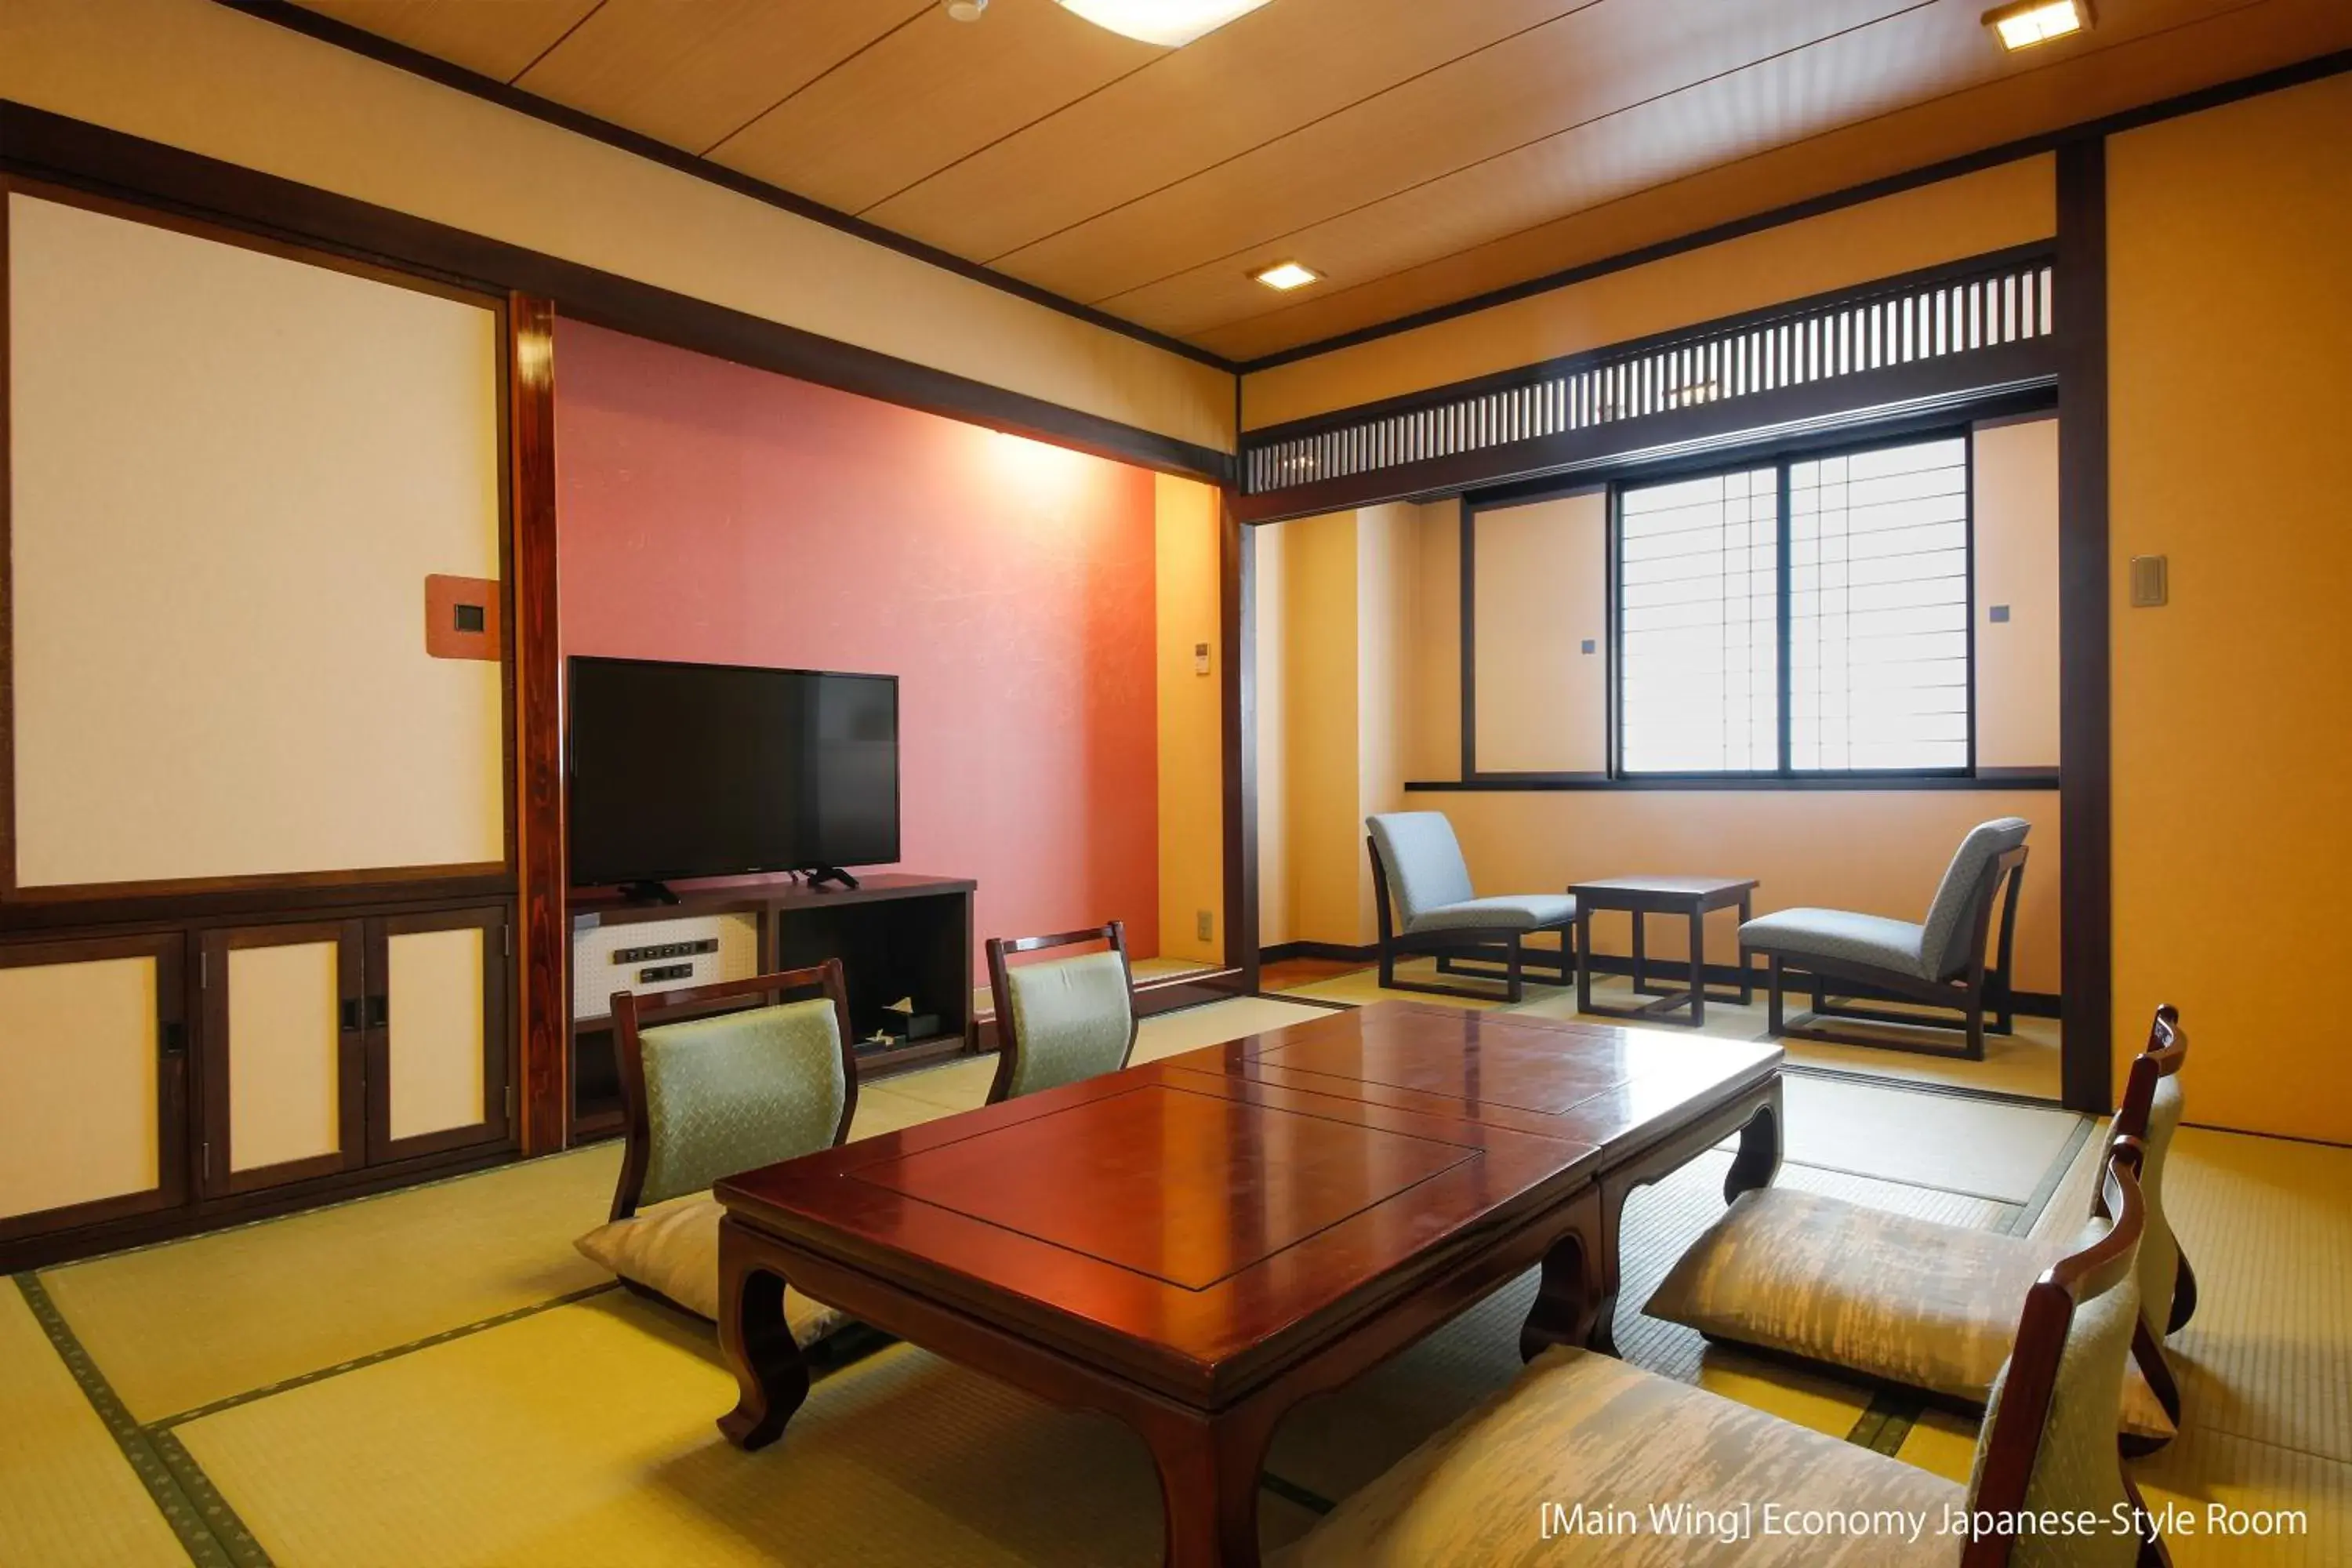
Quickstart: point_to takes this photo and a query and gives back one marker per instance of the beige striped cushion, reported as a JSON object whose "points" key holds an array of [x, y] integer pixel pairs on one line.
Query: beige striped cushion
{"points": [[1577, 1428], [1929, 1306], [672, 1249]]}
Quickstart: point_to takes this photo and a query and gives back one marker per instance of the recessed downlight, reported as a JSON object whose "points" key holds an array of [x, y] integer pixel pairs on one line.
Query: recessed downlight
{"points": [[2031, 22], [1286, 276]]}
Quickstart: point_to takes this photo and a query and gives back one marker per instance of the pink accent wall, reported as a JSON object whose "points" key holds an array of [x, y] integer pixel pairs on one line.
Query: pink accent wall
{"points": [[712, 513]]}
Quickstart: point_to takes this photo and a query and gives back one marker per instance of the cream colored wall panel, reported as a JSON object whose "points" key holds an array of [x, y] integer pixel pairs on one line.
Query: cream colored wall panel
{"points": [[285, 1079], [1187, 529], [436, 1047], [207, 79], [1540, 590], [78, 1083], [1270, 551], [2016, 546], [232, 474]]}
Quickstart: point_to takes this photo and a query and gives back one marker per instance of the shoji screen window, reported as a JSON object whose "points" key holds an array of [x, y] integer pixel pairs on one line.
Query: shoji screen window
{"points": [[1878, 610], [1699, 624]]}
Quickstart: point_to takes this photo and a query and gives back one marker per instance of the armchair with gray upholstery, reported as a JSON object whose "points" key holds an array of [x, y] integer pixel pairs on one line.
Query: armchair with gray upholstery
{"points": [[1417, 863], [1941, 960]]}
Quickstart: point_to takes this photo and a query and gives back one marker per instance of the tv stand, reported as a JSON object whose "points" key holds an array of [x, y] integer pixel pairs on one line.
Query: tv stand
{"points": [[647, 892], [819, 876]]}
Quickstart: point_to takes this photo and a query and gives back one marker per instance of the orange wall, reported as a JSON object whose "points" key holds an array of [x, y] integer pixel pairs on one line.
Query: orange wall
{"points": [[2230, 338]]}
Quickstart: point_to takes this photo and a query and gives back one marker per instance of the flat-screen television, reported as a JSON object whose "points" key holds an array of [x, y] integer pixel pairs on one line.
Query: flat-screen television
{"points": [[710, 770]]}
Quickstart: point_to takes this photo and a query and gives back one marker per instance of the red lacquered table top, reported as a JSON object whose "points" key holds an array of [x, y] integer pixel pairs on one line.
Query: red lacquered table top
{"points": [[1195, 1224]]}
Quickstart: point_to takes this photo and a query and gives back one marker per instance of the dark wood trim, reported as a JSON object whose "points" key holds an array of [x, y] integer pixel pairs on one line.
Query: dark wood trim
{"points": [[2086, 935], [493, 923], [1237, 635], [1466, 524], [8, 569], [327, 29], [89, 157], [216, 1172], [1334, 951], [1000, 995], [632, 1015], [1858, 783], [25, 1234], [93, 1238], [543, 959], [1951, 389], [2194, 102]]}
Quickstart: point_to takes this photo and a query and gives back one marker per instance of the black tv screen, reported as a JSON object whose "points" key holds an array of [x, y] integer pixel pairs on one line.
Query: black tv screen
{"points": [[708, 770]]}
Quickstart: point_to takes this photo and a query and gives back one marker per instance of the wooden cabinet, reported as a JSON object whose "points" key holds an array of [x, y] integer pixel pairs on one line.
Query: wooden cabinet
{"points": [[284, 1054], [332, 1046], [93, 1081], [437, 1064]]}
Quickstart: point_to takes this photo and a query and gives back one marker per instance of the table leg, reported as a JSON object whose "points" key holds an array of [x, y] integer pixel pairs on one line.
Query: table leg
{"points": [[771, 1376], [1208, 1485], [1584, 967], [1640, 959], [1575, 1302], [1746, 978], [1698, 967], [1758, 1160]]}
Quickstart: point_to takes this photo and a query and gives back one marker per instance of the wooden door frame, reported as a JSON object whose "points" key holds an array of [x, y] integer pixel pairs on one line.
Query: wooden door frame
{"points": [[216, 1175], [493, 921]]}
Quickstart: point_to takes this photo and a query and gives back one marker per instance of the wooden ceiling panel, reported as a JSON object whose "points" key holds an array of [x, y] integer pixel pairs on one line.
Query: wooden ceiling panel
{"points": [[1259, 78], [693, 74], [496, 40], [932, 92], [2046, 95], [1593, 62]]}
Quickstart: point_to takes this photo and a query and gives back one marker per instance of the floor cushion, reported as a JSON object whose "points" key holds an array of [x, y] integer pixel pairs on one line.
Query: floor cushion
{"points": [[672, 1250], [1926, 1305], [1577, 1429]]}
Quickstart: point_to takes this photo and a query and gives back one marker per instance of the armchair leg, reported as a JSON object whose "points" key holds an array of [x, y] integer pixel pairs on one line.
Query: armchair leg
{"points": [[1976, 1028], [1773, 1019]]}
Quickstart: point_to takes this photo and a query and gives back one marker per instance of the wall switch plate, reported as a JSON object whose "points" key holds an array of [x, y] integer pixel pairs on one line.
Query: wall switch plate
{"points": [[1999, 614], [2151, 584], [1200, 659], [1204, 926], [1589, 645], [461, 617]]}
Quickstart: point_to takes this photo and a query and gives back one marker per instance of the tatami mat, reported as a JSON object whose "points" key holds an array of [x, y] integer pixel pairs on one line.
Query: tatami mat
{"points": [[1170, 1033], [68, 1495], [180, 1325], [1988, 1149], [583, 1437], [2024, 1063], [2202, 1469]]}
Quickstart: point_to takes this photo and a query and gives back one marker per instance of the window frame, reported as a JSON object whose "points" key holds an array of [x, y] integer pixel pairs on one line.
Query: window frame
{"points": [[1781, 460]]}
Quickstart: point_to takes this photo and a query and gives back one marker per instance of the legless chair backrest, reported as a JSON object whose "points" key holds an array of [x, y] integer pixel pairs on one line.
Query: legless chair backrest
{"points": [[712, 1096], [1062, 1019], [2048, 1442]]}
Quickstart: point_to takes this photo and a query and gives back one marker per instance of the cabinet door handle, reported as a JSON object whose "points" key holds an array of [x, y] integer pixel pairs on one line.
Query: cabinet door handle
{"points": [[175, 1039], [351, 1014], [379, 1011]]}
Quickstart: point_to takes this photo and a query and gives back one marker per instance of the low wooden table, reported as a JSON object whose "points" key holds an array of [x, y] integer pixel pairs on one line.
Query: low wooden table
{"points": [[1195, 1244], [1688, 897]]}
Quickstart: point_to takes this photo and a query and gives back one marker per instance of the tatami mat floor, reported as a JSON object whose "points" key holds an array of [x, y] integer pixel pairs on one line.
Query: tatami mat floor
{"points": [[313, 1390], [2023, 1063]]}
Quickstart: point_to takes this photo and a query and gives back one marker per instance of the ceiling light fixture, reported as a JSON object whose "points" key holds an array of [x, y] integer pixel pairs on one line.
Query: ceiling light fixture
{"points": [[2031, 22], [1172, 23], [965, 10], [1286, 276]]}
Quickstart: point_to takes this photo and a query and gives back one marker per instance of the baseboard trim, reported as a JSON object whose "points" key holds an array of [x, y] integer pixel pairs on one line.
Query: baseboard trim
{"points": [[1335, 950]]}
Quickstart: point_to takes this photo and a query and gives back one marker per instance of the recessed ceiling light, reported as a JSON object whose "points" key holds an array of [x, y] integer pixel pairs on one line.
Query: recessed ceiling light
{"points": [[1169, 23], [965, 10], [2031, 22], [1286, 276]]}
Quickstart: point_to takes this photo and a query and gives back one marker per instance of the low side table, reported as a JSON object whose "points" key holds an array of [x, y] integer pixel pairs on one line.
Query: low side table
{"points": [[1689, 896]]}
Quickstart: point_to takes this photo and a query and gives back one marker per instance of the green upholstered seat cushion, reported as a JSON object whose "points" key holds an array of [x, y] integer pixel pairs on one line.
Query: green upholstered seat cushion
{"points": [[1529, 914], [1072, 1019], [1907, 1300], [672, 1250], [1578, 1427], [732, 1093], [1842, 934]]}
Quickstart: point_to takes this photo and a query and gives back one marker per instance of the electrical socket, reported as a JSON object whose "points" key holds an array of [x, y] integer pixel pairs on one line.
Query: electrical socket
{"points": [[1204, 926]]}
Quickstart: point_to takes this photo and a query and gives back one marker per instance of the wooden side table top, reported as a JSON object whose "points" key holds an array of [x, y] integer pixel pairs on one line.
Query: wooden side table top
{"points": [[1670, 894]]}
